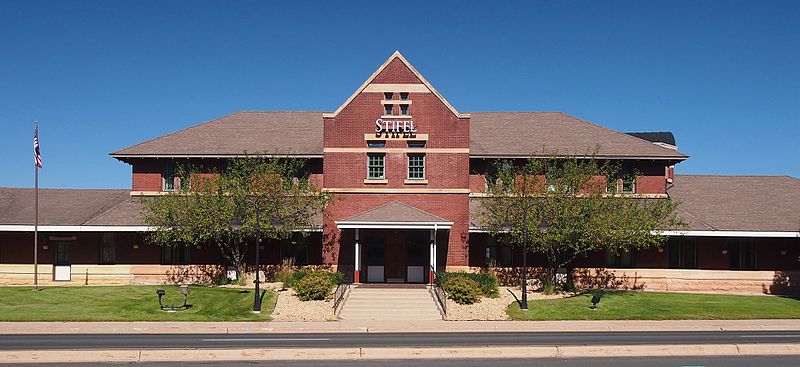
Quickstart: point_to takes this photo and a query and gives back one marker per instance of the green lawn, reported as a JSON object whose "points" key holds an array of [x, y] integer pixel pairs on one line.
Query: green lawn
{"points": [[632, 305], [129, 303]]}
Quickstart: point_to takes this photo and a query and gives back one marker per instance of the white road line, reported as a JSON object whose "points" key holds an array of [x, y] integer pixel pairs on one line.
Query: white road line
{"points": [[771, 336], [266, 340]]}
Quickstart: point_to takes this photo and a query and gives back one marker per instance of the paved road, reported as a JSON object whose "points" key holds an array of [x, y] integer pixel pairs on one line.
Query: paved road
{"points": [[342, 340], [778, 361]]}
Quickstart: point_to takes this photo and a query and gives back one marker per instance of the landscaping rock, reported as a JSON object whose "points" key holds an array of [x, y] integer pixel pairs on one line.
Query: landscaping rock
{"points": [[492, 308]]}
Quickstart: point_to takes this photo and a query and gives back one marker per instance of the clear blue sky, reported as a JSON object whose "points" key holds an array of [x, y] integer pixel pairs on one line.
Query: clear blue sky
{"points": [[724, 76]]}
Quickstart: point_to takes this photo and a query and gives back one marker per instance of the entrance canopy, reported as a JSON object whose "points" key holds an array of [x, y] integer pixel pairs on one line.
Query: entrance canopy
{"points": [[394, 215]]}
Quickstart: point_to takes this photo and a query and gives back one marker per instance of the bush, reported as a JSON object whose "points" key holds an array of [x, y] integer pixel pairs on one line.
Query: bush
{"points": [[487, 282], [462, 290], [314, 286], [290, 280]]}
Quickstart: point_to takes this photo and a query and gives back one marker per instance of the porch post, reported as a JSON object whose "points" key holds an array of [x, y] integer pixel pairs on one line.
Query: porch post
{"points": [[431, 273], [357, 272]]}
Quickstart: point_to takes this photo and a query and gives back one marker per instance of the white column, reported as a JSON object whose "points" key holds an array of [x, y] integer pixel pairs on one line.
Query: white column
{"points": [[432, 256], [357, 273]]}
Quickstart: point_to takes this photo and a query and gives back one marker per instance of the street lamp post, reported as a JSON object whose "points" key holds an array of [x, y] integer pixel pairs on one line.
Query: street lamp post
{"points": [[277, 224], [543, 227]]}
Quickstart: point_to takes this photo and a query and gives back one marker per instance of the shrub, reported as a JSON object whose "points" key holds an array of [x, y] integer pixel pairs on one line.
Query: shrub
{"points": [[462, 290], [487, 282], [314, 286]]}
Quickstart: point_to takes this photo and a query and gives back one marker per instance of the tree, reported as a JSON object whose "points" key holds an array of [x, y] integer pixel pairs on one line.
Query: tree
{"points": [[252, 190], [582, 213]]}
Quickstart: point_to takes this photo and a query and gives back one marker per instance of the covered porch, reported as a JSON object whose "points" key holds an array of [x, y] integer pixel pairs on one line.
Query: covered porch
{"points": [[394, 243]]}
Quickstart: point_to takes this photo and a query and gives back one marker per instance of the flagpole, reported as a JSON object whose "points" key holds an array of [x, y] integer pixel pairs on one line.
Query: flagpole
{"points": [[36, 222]]}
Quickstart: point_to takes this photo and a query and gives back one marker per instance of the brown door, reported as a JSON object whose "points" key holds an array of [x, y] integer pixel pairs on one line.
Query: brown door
{"points": [[395, 256]]}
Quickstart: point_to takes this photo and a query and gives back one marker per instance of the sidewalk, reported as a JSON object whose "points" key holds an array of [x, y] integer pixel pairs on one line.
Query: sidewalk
{"points": [[362, 326]]}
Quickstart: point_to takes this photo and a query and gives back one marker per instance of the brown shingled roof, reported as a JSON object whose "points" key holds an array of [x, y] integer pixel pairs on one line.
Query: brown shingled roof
{"points": [[739, 203], [394, 212], [504, 134], [57, 206], [281, 132], [522, 134]]}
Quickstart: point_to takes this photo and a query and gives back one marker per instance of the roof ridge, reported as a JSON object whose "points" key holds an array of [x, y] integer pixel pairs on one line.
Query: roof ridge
{"points": [[174, 132]]}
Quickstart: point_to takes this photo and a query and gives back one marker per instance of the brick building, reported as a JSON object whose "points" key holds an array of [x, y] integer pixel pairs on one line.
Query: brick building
{"points": [[409, 172]]}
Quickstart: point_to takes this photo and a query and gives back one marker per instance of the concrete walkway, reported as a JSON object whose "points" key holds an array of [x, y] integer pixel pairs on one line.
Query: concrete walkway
{"points": [[360, 326]]}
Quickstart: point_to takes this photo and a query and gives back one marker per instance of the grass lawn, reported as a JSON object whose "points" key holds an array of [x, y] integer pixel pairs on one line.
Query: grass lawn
{"points": [[632, 305], [129, 303]]}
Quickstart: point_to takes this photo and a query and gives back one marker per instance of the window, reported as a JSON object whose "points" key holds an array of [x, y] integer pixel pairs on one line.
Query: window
{"points": [[387, 109], [629, 184], [387, 95], [404, 96], [375, 167], [170, 173], [741, 253], [295, 249], [416, 144], [404, 109], [174, 255], [682, 253], [108, 249], [416, 167], [376, 144], [623, 259], [496, 254]]}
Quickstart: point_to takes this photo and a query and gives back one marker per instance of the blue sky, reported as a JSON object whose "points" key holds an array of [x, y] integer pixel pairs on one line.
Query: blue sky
{"points": [[724, 76]]}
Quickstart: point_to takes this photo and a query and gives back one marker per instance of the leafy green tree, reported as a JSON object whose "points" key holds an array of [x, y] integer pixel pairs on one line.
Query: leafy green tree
{"points": [[581, 213], [257, 192]]}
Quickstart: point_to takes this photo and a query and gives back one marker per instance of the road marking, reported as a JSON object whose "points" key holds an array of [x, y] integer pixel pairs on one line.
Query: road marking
{"points": [[771, 336], [266, 340]]}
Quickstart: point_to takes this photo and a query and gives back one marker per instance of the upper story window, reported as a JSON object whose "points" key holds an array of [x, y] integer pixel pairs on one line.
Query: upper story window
{"points": [[404, 109], [404, 96], [629, 184], [170, 175], [387, 109], [416, 144], [375, 167], [387, 95], [376, 144], [416, 166]]}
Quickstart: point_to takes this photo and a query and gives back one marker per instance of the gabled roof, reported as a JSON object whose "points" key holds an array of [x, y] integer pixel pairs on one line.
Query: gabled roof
{"points": [[542, 134], [738, 203], [393, 214], [264, 132], [396, 56]]}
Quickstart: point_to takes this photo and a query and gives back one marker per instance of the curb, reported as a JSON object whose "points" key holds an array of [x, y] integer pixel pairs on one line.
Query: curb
{"points": [[308, 354]]}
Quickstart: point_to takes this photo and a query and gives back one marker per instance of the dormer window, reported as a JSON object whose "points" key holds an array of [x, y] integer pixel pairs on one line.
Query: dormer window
{"points": [[388, 95], [403, 96], [404, 109], [388, 109]]}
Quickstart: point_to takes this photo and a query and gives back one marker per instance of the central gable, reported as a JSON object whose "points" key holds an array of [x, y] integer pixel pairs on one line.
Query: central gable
{"points": [[396, 75]]}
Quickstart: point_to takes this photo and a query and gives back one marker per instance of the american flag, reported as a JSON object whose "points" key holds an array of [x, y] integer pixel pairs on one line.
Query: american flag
{"points": [[37, 156]]}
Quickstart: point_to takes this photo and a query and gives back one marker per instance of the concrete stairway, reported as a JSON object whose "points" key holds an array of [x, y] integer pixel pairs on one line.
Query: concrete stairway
{"points": [[389, 303]]}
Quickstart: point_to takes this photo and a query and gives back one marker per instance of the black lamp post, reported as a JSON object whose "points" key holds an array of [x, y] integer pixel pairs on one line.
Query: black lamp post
{"points": [[543, 227]]}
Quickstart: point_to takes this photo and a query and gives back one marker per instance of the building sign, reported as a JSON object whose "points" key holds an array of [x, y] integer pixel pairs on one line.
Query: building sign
{"points": [[392, 128]]}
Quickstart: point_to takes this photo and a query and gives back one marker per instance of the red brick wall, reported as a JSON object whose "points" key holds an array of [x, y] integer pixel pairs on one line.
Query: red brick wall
{"points": [[147, 175], [348, 170]]}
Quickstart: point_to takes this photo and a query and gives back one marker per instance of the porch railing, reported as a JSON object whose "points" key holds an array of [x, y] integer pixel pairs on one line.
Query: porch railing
{"points": [[338, 296], [438, 291]]}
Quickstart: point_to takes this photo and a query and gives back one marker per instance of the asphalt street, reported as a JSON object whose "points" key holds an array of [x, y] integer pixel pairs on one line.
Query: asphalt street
{"points": [[769, 361], [344, 340]]}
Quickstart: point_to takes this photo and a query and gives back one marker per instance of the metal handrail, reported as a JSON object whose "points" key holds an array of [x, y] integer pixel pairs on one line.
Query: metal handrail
{"points": [[338, 295], [441, 295]]}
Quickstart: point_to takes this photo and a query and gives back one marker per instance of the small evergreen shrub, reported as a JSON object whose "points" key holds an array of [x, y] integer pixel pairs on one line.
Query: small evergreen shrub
{"points": [[462, 290], [487, 282], [314, 286]]}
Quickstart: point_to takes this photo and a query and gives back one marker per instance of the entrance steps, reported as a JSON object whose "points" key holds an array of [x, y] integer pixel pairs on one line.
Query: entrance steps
{"points": [[366, 302]]}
